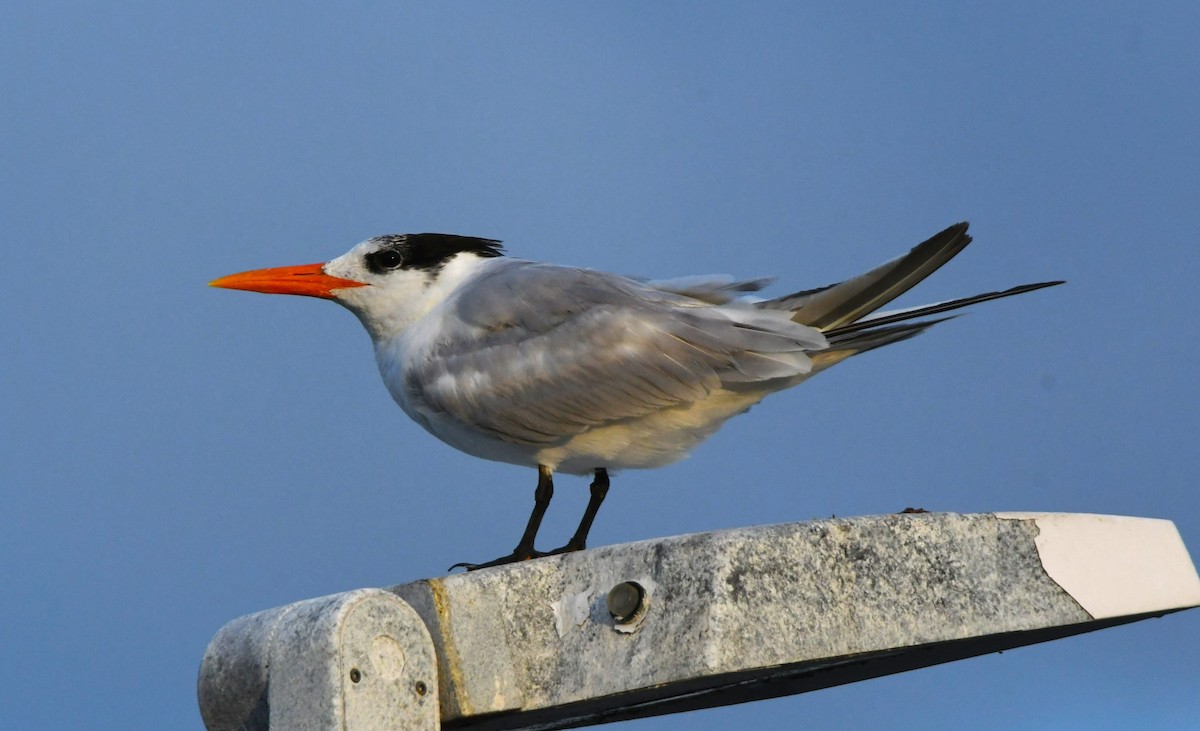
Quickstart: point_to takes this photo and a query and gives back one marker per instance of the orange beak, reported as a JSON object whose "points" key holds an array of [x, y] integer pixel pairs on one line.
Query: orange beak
{"points": [[309, 280]]}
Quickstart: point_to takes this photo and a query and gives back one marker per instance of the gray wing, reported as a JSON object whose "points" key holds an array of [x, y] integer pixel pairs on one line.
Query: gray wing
{"points": [[715, 289], [548, 352]]}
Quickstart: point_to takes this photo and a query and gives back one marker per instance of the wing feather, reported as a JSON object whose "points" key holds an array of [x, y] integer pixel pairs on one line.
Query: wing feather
{"points": [[548, 352]]}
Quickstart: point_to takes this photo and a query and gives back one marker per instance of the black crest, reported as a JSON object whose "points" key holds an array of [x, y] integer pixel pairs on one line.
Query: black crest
{"points": [[428, 252]]}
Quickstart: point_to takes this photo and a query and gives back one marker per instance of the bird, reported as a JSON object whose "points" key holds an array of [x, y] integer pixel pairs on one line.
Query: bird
{"points": [[579, 371]]}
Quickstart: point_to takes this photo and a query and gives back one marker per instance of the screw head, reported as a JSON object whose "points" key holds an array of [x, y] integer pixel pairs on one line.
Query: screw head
{"points": [[355, 675], [625, 600]]}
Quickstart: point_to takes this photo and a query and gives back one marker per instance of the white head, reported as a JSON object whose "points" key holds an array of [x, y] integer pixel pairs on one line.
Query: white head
{"points": [[388, 281]]}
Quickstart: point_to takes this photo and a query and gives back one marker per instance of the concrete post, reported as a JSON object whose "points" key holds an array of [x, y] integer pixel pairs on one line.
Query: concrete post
{"points": [[690, 622], [359, 660]]}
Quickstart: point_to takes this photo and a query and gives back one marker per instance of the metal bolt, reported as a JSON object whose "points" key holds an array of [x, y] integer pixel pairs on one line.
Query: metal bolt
{"points": [[355, 675], [626, 600]]}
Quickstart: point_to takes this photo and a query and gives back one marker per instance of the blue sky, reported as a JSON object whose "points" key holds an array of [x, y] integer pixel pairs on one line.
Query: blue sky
{"points": [[176, 456]]}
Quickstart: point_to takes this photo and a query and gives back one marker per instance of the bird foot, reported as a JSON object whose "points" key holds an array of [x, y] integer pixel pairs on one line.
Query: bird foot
{"points": [[520, 554], [513, 557]]}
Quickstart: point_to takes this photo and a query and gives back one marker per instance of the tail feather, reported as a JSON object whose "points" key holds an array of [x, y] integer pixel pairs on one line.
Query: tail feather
{"points": [[862, 341], [845, 345], [846, 312], [846, 302], [887, 318]]}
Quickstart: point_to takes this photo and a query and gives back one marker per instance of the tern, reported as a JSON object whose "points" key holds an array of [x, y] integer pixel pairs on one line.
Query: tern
{"points": [[580, 371]]}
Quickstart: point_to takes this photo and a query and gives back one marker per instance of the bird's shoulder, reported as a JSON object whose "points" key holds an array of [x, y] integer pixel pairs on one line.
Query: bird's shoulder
{"points": [[528, 298]]}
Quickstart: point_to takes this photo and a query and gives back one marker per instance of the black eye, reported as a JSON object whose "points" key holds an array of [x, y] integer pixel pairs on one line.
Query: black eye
{"points": [[384, 259]]}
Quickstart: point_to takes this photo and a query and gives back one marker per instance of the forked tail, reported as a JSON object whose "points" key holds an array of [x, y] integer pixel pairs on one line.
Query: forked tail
{"points": [[847, 311]]}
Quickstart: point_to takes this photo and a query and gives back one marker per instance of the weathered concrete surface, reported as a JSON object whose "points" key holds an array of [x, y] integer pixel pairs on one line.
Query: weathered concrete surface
{"points": [[359, 660], [725, 617], [758, 612]]}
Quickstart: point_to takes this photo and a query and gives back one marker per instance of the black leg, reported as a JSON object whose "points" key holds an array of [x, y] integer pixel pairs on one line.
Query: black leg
{"points": [[525, 550], [599, 489], [541, 500]]}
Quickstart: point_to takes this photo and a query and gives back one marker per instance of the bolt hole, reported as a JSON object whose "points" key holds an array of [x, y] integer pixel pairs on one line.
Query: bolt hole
{"points": [[627, 602], [355, 675], [420, 688]]}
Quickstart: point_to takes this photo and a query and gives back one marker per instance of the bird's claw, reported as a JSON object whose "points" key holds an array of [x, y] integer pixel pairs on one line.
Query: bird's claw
{"points": [[520, 555], [514, 557]]}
